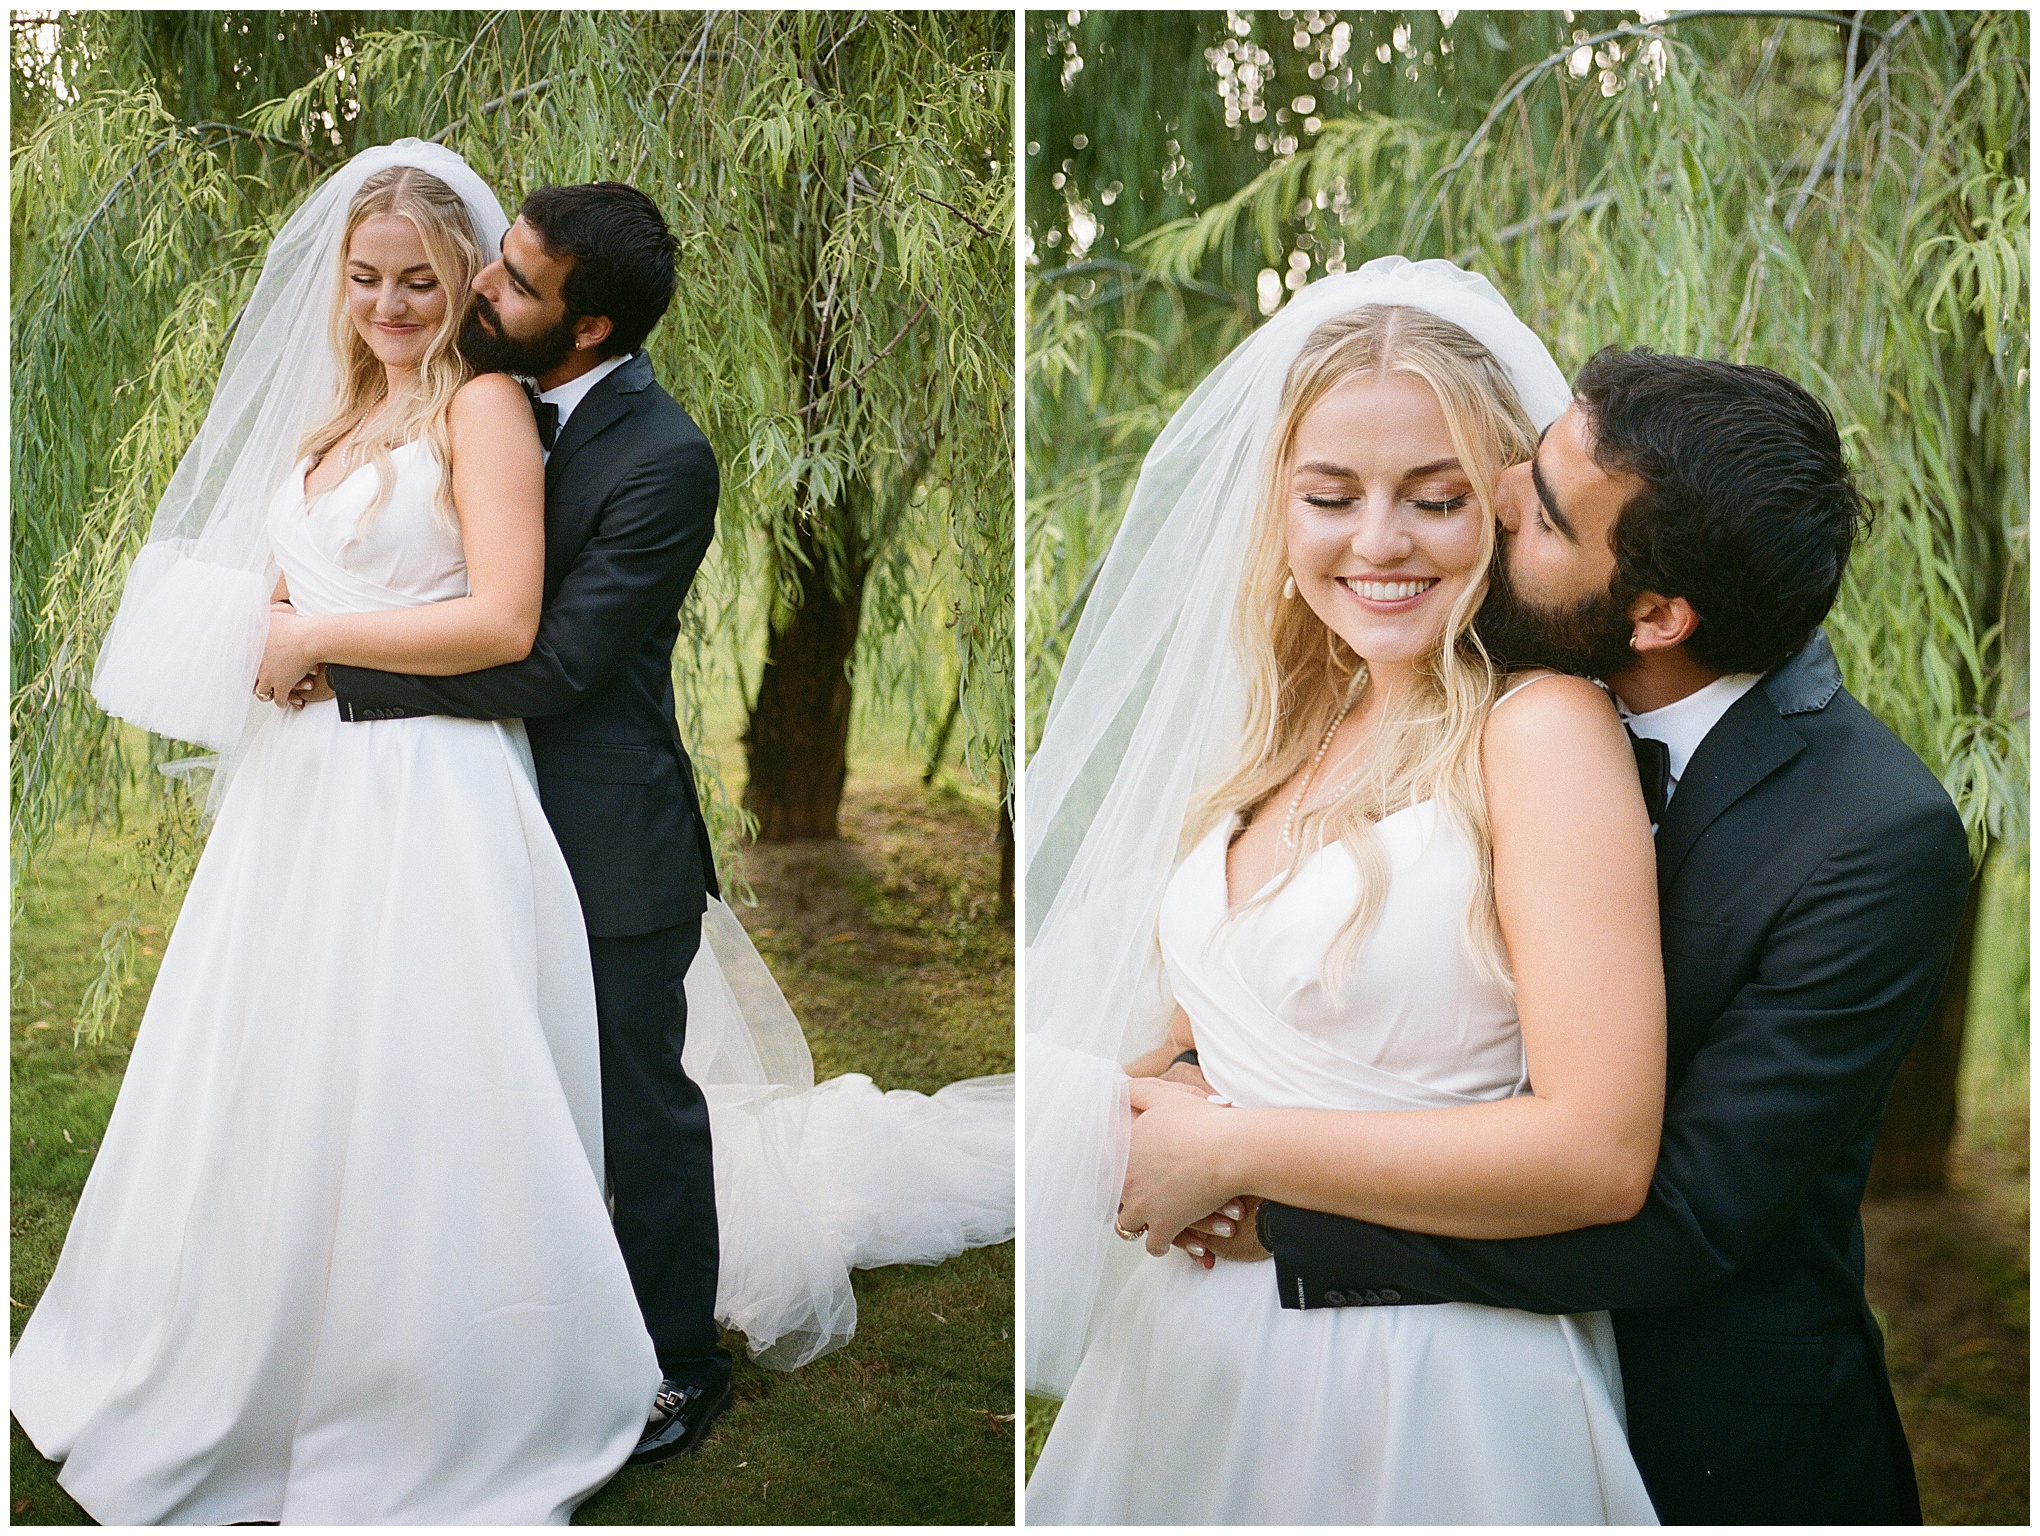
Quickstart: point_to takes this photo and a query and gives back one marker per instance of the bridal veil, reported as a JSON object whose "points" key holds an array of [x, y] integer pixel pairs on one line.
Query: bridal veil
{"points": [[181, 656]]}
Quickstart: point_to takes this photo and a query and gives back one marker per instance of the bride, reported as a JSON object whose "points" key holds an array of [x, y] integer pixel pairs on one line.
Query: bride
{"points": [[1349, 868], [344, 1255]]}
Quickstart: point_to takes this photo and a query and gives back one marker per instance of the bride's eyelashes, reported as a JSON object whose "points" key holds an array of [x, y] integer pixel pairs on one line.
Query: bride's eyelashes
{"points": [[422, 285], [1334, 503]]}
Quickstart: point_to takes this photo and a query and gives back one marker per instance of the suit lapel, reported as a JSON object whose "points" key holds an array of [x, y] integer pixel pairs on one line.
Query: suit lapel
{"points": [[608, 401], [1747, 745], [590, 417]]}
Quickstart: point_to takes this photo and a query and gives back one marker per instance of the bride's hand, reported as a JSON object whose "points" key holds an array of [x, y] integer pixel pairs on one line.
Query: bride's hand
{"points": [[288, 657], [1176, 1171]]}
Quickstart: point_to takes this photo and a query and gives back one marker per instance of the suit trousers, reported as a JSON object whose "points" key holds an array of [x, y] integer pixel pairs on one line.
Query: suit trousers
{"points": [[655, 1141]]}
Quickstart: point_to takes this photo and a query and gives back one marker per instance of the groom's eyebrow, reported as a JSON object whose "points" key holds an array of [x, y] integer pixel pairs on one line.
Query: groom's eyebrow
{"points": [[1558, 518], [519, 278]]}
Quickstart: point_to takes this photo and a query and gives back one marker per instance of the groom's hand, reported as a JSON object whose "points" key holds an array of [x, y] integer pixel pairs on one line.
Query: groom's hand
{"points": [[312, 688], [1227, 1233]]}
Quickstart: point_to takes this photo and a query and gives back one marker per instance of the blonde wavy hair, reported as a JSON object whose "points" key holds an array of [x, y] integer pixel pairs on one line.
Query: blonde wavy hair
{"points": [[441, 219], [1299, 672]]}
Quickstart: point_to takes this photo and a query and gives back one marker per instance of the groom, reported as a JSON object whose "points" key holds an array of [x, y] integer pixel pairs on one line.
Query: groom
{"points": [[630, 494], [1681, 532]]}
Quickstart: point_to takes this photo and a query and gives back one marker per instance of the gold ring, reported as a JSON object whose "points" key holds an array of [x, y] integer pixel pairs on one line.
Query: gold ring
{"points": [[267, 698], [1133, 1236]]}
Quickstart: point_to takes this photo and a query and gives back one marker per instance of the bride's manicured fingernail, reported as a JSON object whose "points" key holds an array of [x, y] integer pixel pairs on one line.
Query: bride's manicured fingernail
{"points": [[1222, 1228], [1234, 1209], [1195, 1249]]}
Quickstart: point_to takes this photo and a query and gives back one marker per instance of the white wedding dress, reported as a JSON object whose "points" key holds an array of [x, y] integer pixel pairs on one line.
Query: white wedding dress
{"points": [[1201, 1400], [344, 1256]]}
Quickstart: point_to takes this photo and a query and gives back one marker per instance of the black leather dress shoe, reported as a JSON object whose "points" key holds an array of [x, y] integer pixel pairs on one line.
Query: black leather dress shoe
{"points": [[680, 1419]]}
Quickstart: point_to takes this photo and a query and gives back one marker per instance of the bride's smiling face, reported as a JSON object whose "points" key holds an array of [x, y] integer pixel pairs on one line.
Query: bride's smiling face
{"points": [[394, 298], [1383, 530]]}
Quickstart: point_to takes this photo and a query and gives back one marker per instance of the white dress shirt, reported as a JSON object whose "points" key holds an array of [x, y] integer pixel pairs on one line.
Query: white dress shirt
{"points": [[1683, 725], [575, 390]]}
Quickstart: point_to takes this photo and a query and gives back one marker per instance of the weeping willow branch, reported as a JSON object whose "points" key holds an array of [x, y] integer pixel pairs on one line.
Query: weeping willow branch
{"points": [[1838, 131], [945, 203], [522, 93], [1641, 30], [1557, 216], [878, 357]]}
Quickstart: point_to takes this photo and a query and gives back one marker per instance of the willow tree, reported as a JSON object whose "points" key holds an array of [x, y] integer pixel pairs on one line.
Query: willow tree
{"points": [[1842, 198], [846, 178], [841, 189]]}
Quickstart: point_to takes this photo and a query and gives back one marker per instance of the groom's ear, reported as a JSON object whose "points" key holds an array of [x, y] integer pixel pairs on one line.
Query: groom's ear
{"points": [[592, 331], [1660, 623]]}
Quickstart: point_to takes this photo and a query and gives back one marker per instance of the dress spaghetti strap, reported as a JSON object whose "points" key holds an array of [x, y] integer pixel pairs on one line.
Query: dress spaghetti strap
{"points": [[1538, 678]]}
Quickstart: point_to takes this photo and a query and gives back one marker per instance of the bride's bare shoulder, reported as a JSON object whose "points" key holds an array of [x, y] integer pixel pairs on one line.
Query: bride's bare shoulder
{"points": [[1550, 727], [489, 397]]}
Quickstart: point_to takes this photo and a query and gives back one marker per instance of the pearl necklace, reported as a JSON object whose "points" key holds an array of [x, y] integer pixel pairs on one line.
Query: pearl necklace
{"points": [[1310, 777], [352, 445]]}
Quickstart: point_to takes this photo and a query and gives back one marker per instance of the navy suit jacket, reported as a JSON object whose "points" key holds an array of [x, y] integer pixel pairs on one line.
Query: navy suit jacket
{"points": [[630, 494], [1811, 877]]}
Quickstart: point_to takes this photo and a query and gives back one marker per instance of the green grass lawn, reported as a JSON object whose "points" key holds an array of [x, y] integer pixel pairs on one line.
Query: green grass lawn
{"points": [[889, 946]]}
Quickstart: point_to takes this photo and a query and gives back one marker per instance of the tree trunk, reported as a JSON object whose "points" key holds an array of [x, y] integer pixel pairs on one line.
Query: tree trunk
{"points": [[797, 742], [942, 736], [1006, 858], [1919, 1120]]}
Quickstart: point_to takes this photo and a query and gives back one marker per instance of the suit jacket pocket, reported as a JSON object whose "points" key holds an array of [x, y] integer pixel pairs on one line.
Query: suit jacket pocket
{"points": [[1696, 940], [595, 763], [1745, 1368]]}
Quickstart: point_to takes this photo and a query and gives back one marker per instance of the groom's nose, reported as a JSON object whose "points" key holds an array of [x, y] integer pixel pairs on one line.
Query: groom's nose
{"points": [[488, 280]]}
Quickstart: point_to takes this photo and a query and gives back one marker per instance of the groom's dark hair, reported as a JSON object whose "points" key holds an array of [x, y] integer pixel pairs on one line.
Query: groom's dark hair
{"points": [[1747, 510], [622, 250]]}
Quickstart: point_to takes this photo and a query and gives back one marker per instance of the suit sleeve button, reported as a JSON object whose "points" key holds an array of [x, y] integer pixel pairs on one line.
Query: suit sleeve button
{"points": [[1391, 1297], [1372, 1298], [1334, 1299]]}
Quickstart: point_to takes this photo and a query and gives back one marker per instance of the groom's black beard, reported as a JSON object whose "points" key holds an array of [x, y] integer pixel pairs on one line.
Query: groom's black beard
{"points": [[1588, 637], [491, 351]]}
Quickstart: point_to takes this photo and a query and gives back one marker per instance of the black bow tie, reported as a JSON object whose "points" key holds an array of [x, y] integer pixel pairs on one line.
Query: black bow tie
{"points": [[548, 419], [1654, 768]]}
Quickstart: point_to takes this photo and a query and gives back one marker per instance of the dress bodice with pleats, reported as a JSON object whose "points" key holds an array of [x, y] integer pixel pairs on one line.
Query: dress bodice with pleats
{"points": [[1410, 1023], [338, 559]]}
